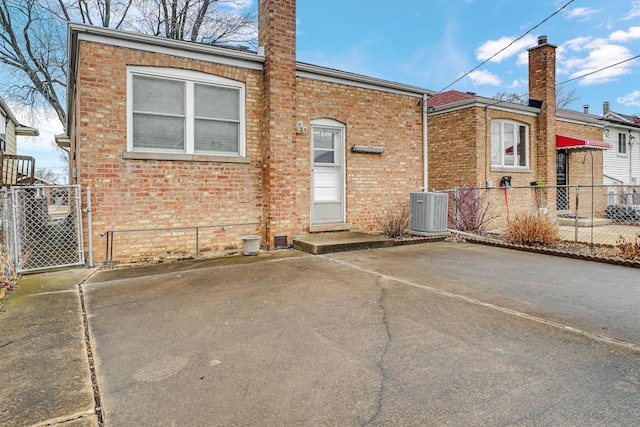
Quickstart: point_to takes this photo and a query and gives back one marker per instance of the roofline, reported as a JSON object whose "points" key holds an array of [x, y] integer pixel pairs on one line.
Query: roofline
{"points": [[332, 75], [572, 116], [231, 57], [165, 42], [479, 101], [7, 110]]}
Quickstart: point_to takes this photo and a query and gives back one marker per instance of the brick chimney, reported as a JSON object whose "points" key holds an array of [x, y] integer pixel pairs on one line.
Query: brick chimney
{"points": [[277, 34], [542, 87], [605, 108]]}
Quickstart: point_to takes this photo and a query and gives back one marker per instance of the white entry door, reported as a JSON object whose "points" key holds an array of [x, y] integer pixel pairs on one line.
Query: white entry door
{"points": [[327, 172]]}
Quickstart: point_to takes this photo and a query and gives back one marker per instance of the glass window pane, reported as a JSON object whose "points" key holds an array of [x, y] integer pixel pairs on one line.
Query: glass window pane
{"points": [[495, 143], [508, 143], [158, 132], [214, 136], [522, 146], [323, 138], [217, 102], [151, 95], [323, 156]]}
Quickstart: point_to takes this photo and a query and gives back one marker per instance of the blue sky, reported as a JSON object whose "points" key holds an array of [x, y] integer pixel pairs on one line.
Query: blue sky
{"points": [[430, 43]]}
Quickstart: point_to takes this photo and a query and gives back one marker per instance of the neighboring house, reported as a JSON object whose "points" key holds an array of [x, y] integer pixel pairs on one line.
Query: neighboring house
{"points": [[479, 140], [169, 133], [622, 163], [14, 169]]}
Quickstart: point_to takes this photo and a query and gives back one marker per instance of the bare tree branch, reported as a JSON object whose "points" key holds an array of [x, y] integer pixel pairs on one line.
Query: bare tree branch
{"points": [[33, 36]]}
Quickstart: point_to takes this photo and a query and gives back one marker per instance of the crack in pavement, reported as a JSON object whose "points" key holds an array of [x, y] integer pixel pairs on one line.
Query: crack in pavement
{"points": [[593, 335], [381, 362]]}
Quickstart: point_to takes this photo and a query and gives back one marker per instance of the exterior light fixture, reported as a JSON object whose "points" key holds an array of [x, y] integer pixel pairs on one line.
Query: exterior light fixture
{"points": [[300, 127], [367, 149]]}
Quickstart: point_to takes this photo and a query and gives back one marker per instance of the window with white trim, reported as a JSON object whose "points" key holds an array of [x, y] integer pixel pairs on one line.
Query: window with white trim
{"points": [[3, 132], [622, 143], [509, 144], [181, 111]]}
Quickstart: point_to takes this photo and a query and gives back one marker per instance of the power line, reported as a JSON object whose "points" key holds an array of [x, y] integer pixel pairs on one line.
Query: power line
{"points": [[507, 46]]}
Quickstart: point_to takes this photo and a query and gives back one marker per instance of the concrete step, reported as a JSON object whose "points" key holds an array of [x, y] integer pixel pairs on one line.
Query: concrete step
{"points": [[324, 243]]}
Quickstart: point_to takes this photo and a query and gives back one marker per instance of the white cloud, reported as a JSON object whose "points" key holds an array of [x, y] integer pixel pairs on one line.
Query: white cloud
{"points": [[578, 44], [489, 48], [582, 13], [600, 57], [484, 77], [517, 84], [631, 99], [625, 36], [523, 58], [635, 10]]}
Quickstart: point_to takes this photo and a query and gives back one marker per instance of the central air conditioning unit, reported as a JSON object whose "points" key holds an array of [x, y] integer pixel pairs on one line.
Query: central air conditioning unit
{"points": [[428, 212]]}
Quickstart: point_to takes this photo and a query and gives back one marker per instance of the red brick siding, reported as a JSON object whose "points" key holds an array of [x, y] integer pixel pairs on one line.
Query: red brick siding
{"points": [[374, 182], [151, 194]]}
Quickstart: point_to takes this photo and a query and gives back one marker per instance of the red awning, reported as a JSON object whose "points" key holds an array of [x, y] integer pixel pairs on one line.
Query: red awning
{"points": [[568, 142]]}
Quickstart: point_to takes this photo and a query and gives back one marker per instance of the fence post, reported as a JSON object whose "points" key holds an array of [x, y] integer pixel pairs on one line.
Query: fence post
{"points": [[576, 215], [89, 227], [17, 252], [197, 241]]}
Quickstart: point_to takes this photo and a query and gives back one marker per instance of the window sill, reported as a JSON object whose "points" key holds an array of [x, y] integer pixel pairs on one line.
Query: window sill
{"points": [[509, 169], [139, 155]]}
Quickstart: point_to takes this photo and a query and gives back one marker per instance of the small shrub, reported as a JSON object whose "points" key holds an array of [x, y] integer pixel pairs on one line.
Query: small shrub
{"points": [[8, 277], [393, 221], [470, 209], [532, 228], [629, 249]]}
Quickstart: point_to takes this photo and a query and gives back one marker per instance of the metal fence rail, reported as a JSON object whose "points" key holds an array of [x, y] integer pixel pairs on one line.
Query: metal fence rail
{"points": [[587, 214], [173, 243], [42, 227]]}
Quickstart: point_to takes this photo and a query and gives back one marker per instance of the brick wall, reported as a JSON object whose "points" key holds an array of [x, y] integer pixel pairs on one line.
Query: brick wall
{"points": [[374, 182], [579, 173], [460, 149], [542, 81], [154, 194], [277, 34]]}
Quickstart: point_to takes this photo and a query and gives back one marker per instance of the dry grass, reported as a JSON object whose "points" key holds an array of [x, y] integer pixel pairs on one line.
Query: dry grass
{"points": [[629, 249], [8, 277], [393, 221], [532, 228]]}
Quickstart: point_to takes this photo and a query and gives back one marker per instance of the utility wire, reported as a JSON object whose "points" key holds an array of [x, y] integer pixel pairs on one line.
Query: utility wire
{"points": [[507, 46]]}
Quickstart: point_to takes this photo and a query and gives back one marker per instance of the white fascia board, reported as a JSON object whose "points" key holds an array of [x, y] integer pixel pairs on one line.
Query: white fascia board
{"points": [[166, 46], [330, 75], [491, 104]]}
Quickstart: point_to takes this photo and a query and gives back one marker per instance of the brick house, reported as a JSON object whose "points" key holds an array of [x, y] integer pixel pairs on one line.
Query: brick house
{"points": [[176, 134], [479, 140]]}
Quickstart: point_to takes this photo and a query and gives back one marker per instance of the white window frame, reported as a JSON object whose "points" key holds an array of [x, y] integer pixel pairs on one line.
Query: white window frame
{"points": [[3, 131], [190, 78], [526, 150], [622, 138]]}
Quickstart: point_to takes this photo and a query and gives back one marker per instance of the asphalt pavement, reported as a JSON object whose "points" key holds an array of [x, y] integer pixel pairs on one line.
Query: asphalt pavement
{"points": [[433, 334], [430, 334]]}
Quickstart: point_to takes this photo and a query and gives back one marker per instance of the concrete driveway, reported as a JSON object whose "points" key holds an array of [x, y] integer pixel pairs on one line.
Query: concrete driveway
{"points": [[432, 334]]}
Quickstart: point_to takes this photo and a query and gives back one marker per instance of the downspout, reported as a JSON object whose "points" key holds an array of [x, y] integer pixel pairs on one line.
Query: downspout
{"points": [[486, 144], [425, 154]]}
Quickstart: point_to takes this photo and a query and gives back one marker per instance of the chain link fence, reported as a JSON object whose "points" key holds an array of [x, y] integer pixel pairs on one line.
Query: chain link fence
{"points": [[42, 227], [598, 215]]}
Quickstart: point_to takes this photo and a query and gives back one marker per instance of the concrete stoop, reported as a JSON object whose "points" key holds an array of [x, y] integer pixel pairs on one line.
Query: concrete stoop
{"points": [[325, 243]]}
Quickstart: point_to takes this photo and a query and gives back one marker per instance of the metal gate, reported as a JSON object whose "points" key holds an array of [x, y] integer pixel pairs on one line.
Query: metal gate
{"points": [[42, 227]]}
